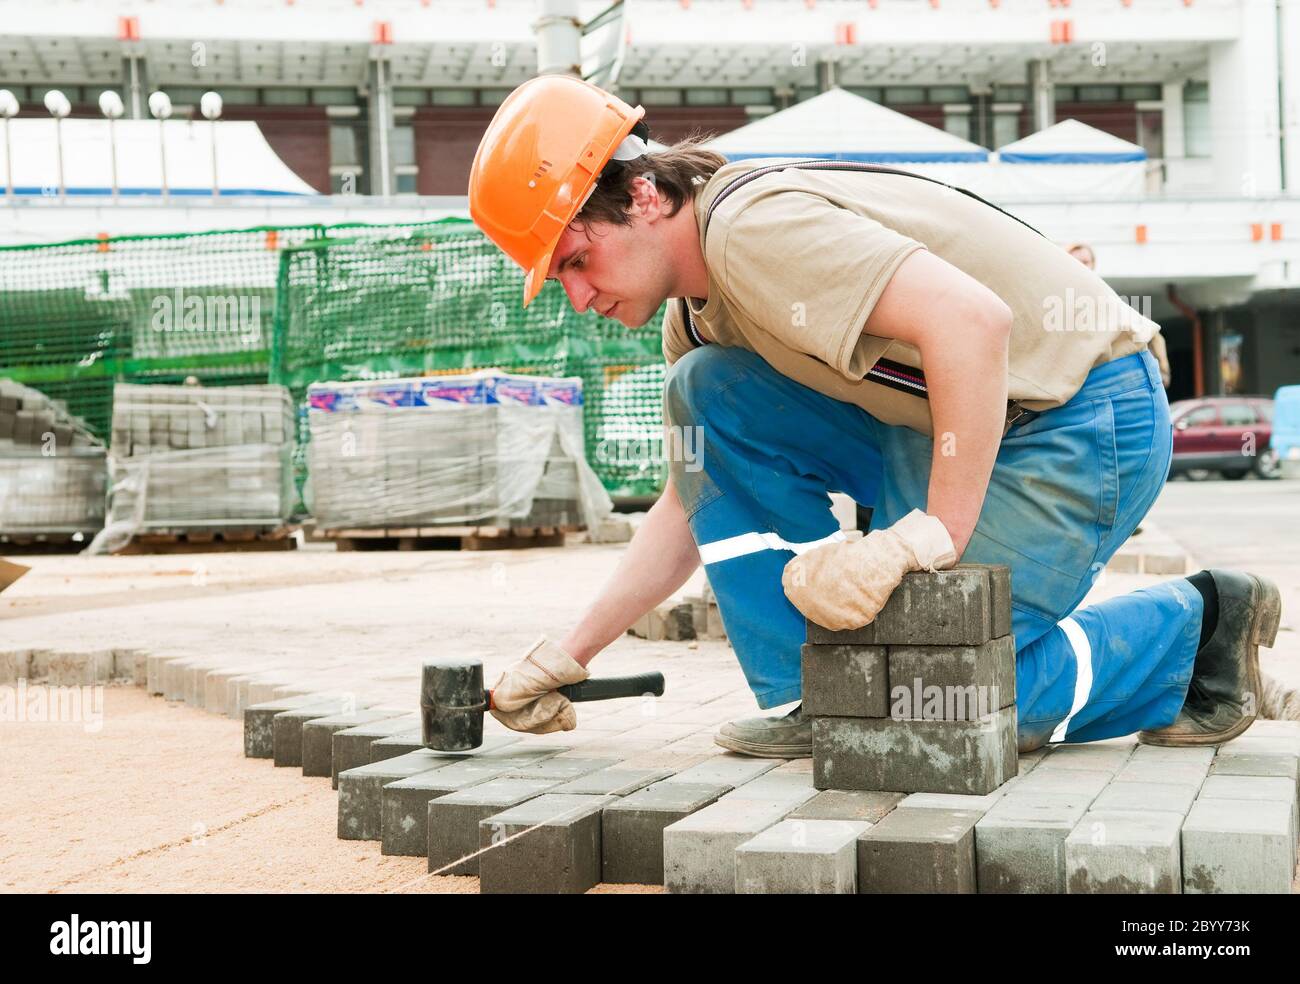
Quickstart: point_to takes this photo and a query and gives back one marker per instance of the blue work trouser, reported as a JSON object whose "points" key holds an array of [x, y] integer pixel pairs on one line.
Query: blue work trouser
{"points": [[1068, 488]]}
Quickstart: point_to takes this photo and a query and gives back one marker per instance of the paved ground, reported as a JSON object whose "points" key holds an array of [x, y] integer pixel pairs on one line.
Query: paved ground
{"points": [[161, 797]]}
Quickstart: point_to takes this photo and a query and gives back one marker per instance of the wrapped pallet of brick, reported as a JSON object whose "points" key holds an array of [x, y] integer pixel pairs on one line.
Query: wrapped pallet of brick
{"points": [[487, 449], [53, 470], [187, 459]]}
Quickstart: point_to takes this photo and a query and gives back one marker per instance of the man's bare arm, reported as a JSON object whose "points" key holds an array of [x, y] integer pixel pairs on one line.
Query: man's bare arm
{"points": [[962, 330], [660, 558]]}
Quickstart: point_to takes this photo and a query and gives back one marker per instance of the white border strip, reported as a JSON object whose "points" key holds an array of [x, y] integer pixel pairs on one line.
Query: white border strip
{"points": [[1082, 675], [749, 543]]}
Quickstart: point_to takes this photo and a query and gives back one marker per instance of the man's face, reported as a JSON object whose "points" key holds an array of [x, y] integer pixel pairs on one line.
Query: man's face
{"points": [[618, 271]]}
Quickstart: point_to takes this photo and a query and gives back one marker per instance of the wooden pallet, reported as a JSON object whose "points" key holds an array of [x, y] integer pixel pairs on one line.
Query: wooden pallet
{"points": [[45, 543], [212, 541], [447, 537]]}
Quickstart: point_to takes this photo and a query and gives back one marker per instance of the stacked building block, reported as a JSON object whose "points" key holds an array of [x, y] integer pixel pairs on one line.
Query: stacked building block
{"points": [[53, 471], [197, 458], [923, 698], [486, 448]]}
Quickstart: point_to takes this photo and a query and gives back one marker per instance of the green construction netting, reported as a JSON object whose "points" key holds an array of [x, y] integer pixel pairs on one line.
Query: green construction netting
{"points": [[444, 300], [299, 304]]}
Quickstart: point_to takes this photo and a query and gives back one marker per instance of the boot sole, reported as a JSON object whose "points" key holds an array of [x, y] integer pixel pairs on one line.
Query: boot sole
{"points": [[762, 750], [1263, 632]]}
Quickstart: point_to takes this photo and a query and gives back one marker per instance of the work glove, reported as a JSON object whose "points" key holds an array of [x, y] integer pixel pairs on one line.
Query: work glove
{"points": [[844, 585], [524, 698]]}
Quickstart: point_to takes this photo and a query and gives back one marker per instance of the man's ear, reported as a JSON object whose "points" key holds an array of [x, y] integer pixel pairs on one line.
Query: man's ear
{"points": [[645, 196]]}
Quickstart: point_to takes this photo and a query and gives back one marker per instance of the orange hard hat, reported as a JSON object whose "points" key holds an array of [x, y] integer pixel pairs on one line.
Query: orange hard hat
{"points": [[538, 163]]}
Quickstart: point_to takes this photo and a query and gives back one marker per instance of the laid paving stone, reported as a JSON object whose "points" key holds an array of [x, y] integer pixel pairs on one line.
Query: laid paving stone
{"points": [[154, 662], [1276, 789], [562, 768], [948, 608], [1124, 852], [196, 675], [845, 681], [919, 851], [351, 748], [726, 769], [1076, 782], [215, 684], [548, 845], [804, 857], [700, 851], [951, 683], [1238, 846], [318, 737], [1020, 842], [259, 724], [870, 806], [972, 757], [453, 820], [1028, 761], [1263, 728], [613, 781], [402, 743], [129, 664], [286, 728], [360, 804], [1259, 756], [958, 801], [779, 785], [404, 803], [1190, 756], [14, 665], [633, 828], [174, 677], [1147, 770], [80, 668], [1089, 757], [1152, 797]]}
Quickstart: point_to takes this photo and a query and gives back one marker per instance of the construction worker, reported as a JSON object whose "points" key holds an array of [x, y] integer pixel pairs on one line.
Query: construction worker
{"points": [[836, 327]]}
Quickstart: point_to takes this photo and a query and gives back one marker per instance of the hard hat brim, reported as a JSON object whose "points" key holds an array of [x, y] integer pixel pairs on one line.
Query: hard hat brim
{"points": [[535, 278]]}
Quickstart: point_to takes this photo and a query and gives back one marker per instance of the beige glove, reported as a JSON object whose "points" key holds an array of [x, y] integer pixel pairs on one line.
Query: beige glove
{"points": [[524, 698], [844, 585]]}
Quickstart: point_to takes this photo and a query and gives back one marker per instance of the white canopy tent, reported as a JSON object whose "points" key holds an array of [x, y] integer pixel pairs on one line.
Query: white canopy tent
{"points": [[246, 164], [1071, 160], [841, 126]]}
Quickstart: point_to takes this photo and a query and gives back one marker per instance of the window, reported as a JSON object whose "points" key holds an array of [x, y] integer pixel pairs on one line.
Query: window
{"points": [[902, 95], [1006, 128], [492, 97], [752, 97], [402, 144], [1196, 119], [1011, 93], [333, 97], [406, 182], [874, 93], [410, 97], [239, 97], [1098, 93], [1140, 93], [343, 144], [956, 120], [285, 97], [706, 97], [661, 97], [1202, 417], [948, 94], [1238, 415], [453, 97]]}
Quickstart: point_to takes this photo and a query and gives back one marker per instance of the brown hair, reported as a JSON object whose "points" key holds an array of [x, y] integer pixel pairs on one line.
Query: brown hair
{"points": [[675, 171]]}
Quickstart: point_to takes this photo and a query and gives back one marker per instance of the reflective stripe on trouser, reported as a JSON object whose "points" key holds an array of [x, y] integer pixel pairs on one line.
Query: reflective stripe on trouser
{"points": [[1067, 490]]}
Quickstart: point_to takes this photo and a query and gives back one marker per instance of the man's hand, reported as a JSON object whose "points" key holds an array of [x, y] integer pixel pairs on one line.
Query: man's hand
{"points": [[524, 698], [844, 585]]}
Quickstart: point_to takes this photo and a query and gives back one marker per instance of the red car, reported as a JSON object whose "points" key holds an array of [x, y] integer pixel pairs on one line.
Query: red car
{"points": [[1227, 434]]}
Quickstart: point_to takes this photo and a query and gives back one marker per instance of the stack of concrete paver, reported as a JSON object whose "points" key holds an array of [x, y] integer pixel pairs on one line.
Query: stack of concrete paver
{"points": [[188, 458], [486, 448], [53, 470], [632, 797]]}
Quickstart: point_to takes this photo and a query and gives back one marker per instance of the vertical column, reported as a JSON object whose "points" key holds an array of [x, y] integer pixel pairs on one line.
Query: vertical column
{"points": [[1288, 33], [1244, 105], [1042, 96], [135, 86], [559, 37], [379, 122]]}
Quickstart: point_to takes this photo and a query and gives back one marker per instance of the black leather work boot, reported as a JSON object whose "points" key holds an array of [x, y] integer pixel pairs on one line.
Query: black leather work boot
{"points": [[789, 736], [1227, 691]]}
